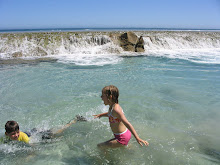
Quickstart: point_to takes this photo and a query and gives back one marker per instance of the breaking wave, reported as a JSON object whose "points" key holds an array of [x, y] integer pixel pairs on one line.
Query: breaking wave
{"points": [[101, 48]]}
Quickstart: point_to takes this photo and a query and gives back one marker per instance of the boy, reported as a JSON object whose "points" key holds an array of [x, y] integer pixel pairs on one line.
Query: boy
{"points": [[13, 133]]}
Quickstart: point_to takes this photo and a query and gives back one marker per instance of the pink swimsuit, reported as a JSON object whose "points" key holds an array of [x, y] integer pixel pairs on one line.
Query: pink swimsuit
{"points": [[123, 137]]}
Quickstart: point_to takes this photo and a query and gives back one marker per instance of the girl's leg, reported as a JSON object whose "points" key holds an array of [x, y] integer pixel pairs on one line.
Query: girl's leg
{"points": [[113, 143]]}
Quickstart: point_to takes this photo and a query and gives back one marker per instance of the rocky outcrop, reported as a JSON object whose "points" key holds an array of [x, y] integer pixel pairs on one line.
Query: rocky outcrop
{"points": [[139, 47], [40, 51], [16, 54], [18, 45], [35, 52], [130, 42]]}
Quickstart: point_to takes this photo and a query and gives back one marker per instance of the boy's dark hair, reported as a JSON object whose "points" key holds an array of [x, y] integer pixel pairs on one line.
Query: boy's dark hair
{"points": [[11, 126]]}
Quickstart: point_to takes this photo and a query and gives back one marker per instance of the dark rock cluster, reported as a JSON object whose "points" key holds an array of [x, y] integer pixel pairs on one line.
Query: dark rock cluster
{"points": [[130, 42]]}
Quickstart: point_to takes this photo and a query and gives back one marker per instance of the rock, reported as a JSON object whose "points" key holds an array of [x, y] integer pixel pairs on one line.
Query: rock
{"points": [[41, 52], [16, 54], [139, 47], [25, 61], [130, 42], [129, 37]]}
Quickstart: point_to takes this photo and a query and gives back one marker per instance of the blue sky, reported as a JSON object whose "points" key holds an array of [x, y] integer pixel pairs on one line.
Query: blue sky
{"points": [[19, 14]]}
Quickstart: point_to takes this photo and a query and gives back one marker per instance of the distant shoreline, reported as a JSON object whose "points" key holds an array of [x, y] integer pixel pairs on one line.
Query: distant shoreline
{"points": [[102, 30]]}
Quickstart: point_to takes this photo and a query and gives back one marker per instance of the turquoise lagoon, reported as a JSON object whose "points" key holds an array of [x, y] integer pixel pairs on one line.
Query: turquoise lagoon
{"points": [[172, 100]]}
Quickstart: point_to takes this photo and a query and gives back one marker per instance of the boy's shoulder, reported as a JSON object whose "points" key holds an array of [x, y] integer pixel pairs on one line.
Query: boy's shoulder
{"points": [[23, 137]]}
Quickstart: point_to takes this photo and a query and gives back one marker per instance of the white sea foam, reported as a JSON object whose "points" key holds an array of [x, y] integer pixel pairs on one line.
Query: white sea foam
{"points": [[88, 59], [209, 56], [90, 55], [12, 148]]}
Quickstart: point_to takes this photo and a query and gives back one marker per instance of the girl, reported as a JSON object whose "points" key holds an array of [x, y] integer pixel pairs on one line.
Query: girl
{"points": [[120, 126]]}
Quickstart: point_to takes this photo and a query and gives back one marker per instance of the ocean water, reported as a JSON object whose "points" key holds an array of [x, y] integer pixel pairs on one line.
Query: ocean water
{"points": [[170, 94], [100, 29], [172, 103]]}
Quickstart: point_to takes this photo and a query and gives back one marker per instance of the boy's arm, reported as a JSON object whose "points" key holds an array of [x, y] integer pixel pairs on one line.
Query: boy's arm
{"points": [[65, 127], [78, 118]]}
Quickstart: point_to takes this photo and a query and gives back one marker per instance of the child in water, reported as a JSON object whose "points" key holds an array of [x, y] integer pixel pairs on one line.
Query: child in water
{"points": [[120, 126], [13, 132]]}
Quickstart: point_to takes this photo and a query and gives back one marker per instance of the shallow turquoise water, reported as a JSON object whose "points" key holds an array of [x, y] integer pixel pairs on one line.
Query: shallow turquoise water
{"points": [[174, 104]]}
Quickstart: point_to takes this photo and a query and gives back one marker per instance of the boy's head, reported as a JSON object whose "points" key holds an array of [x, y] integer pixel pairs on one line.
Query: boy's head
{"points": [[12, 130]]}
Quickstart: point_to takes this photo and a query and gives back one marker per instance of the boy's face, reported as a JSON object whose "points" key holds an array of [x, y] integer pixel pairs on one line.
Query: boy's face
{"points": [[13, 135]]}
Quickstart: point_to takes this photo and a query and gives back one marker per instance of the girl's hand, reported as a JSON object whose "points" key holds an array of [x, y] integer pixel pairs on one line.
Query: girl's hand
{"points": [[97, 116], [140, 141], [101, 115]]}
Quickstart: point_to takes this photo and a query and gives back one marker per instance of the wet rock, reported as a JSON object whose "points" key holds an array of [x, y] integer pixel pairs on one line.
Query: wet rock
{"points": [[139, 47], [25, 61], [41, 52], [130, 42], [17, 54]]}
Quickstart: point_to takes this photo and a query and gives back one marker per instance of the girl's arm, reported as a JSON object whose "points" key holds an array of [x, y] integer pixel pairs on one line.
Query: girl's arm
{"points": [[122, 117], [101, 115]]}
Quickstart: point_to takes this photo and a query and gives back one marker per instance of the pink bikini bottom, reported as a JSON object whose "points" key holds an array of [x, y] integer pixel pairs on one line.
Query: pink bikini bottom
{"points": [[123, 137]]}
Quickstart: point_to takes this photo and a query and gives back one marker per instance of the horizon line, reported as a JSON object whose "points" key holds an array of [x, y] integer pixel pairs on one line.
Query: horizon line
{"points": [[57, 28]]}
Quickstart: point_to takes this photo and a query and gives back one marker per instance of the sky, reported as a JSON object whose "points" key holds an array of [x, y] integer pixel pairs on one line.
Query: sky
{"points": [[33, 14]]}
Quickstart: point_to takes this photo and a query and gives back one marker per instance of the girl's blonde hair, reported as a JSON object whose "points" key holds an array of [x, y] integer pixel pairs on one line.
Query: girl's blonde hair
{"points": [[113, 91]]}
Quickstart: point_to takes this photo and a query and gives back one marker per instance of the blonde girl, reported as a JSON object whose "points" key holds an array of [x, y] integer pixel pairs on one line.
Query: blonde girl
{"points": [[120, 126]]}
